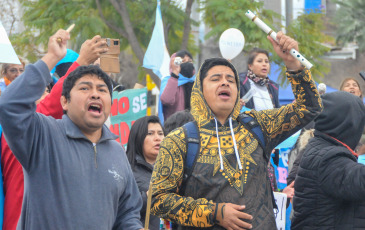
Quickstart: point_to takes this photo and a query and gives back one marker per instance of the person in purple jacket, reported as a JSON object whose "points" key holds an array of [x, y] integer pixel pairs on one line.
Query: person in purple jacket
{"points": [[176, 94]]}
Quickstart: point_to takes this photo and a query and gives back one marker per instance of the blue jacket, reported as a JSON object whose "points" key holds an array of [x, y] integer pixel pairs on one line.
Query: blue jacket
{"points": [[68, 182]]}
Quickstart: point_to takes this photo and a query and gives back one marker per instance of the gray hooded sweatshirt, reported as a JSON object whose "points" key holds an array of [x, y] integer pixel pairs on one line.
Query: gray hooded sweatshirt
{"points": [[68, 182]]}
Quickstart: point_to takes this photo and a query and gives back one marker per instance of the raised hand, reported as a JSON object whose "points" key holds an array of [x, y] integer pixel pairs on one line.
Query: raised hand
{"points": [[174, 68], [91, 50], [282, 47], [57, 48]]}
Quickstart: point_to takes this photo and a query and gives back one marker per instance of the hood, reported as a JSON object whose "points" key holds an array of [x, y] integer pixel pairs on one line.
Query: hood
{"points": [[304, 138], [199, 107], [343, 117]]}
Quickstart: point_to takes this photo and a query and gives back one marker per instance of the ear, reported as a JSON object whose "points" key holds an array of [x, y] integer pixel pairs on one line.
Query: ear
{"points": [[64, 103], [249, 66]]}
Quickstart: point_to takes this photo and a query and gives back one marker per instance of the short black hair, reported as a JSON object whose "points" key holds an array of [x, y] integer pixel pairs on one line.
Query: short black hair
{"points": [[253, 53], [183, 53], [137, 135], [81, 71], [177, 120], [62, 68], [210, 63]]}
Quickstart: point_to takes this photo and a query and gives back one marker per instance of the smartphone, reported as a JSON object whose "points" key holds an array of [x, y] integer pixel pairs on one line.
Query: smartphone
{"points": [[109, 61]]}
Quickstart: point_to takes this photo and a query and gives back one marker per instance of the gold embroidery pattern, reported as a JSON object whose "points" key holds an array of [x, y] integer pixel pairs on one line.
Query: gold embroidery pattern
{"points": [[285, 118], [210, 155], [166, 181], [168, 171]]}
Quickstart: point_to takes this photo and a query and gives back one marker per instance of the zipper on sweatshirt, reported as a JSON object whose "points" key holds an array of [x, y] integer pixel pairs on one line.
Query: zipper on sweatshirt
{"points": [[95, 156]]}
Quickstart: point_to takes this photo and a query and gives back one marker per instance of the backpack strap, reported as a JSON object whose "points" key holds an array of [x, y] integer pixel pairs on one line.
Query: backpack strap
{"points": [[253, 126], [192, 149]]}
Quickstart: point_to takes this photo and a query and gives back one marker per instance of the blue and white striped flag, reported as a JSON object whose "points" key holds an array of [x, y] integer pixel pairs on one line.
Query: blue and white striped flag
{"points": [[7, 54], [157, 57]]}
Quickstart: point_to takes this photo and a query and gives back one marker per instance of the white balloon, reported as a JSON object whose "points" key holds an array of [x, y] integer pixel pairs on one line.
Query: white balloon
{"points": [[231, 43]]}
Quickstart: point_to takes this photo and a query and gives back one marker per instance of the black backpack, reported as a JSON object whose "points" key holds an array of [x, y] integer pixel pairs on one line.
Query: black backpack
{"points": [[193, 146]]}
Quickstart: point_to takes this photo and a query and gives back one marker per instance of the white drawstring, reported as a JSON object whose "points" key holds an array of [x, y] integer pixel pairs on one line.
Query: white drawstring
{"points": [[219, 145], [235, 145]]}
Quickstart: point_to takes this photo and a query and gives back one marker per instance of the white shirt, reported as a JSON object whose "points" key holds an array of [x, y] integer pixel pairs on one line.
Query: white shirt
{"points": [[261, 98]]}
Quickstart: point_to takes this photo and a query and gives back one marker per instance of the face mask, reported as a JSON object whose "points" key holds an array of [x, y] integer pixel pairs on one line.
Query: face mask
{"points": [[187, 69]]}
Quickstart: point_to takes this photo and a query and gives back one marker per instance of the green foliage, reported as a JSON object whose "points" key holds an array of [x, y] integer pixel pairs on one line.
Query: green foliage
{"points": [[307, 30], [43, 18], [221, 15], [350, 22]]}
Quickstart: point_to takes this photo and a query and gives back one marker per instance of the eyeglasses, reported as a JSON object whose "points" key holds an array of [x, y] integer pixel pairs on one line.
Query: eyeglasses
{"points": [[13, 70]]}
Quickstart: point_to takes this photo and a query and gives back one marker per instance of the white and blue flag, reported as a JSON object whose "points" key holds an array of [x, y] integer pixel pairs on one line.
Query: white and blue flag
{"points": [[7, 54], [157, 57]]}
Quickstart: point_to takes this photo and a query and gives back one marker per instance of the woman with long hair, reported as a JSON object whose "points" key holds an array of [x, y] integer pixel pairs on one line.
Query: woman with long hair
{"points": [[142, 150]]}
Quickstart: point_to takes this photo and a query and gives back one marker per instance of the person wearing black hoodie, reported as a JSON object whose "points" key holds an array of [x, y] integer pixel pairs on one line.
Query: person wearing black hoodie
{"points": [[330, 185]]}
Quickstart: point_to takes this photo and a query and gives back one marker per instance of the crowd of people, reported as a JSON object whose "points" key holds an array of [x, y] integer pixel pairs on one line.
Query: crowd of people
{"points": [[204, 162]]}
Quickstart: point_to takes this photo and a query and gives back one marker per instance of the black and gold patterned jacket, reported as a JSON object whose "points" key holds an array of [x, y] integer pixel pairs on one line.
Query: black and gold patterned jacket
{"points": [[209, 184]]}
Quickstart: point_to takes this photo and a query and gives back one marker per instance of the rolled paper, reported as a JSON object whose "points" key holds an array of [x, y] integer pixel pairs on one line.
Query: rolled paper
{"points": [[272, 34], [59, 40], [70, 28]]}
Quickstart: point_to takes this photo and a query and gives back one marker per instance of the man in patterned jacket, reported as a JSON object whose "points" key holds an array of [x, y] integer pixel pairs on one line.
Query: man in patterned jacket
{"points": [[228, 187]]}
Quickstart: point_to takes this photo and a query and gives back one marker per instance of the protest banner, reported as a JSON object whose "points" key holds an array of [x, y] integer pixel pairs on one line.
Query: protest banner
{"points": [[128, 106]]}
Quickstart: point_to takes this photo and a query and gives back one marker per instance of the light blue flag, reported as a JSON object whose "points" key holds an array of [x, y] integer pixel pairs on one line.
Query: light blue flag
{"points": [[289, 142], [157, 57], [7, 54]]}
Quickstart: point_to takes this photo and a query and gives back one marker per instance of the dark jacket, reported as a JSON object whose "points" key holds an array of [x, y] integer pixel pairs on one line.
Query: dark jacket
{"points": [[142, 172], [211, 182], [245, 87], [330, 184], [296, 153]]}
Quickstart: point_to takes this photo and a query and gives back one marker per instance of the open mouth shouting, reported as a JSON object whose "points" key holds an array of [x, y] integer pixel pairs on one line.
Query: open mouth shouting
{"points": [[224, 94], [95, 108]]}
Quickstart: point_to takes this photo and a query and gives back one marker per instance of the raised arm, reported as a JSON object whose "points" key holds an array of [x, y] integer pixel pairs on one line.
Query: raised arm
{"points": [[17, 104], [169, 94], [90, 51], [279, 124]]}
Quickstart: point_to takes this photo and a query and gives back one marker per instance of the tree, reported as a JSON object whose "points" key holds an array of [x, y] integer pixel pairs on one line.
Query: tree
{"points": [[350, 22], [133, 21], [9, 15], [110, 18], [307, 30]]}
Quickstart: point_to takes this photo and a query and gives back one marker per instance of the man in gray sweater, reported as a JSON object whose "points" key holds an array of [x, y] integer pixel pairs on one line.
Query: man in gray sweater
{"points": [[76, 175]]}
